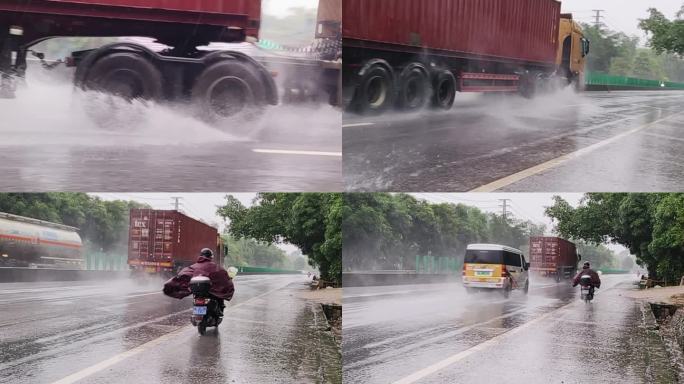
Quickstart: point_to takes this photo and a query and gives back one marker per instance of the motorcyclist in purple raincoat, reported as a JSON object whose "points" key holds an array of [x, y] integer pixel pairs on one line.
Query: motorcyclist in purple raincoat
{"points": [[221, 284]]}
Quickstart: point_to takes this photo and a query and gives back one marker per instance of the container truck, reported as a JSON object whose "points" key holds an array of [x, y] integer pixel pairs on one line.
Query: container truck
{"points": [[219, 83], [408, 53], [165, 241], [32, 243], [553, 256]]}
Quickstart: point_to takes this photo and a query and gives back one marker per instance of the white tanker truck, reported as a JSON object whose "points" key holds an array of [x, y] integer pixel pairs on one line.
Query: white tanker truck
{"points": [[32, 243]]}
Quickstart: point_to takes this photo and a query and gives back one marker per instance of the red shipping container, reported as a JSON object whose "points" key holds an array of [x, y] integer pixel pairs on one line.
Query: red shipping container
{"points": [[552, 253], [166, 239], [244, 14], [517, 30], [233, 7]]}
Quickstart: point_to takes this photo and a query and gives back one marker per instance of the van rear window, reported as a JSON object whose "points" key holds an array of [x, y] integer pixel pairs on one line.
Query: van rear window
{"points": [[484, 256]]}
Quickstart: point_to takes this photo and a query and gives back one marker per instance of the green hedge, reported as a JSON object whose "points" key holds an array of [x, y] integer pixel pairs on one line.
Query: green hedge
{"points": [[596, 78]]}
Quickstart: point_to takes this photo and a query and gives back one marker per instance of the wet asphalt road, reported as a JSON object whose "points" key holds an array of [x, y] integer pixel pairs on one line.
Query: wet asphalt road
{"points": [[439, 334], [595, 141], [117, 332], [57, 139]]}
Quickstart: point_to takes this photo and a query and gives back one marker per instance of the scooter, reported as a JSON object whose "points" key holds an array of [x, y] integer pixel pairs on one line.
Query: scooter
{"points": [[205, 311], [586, 288]]}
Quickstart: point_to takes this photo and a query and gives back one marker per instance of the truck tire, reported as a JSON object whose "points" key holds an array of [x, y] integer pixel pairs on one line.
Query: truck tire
{"points": [[375, 92], [125, 74], [227, 89], [527, 86], [414, 87], [443, 89]]}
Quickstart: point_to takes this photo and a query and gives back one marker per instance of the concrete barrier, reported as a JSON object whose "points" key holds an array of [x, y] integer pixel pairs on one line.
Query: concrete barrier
{"points": [[12, 275], [16, 275], [364, 279]]}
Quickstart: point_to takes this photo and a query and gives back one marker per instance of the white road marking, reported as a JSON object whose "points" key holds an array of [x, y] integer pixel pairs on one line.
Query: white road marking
{"points": [[553, 163], [47, 289], [666, 137], [143, 294], [484, 345], [291, 152], [80, 375], [463, 354], [357, 125]]}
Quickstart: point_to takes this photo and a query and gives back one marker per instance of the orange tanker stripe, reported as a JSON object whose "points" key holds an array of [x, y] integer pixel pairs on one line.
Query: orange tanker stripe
{"points": [[48, 242]]}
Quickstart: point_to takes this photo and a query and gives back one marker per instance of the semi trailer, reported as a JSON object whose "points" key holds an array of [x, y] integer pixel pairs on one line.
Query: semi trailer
{"points": [[220, 83], [553, 256], [165, 241], [410, 53]]}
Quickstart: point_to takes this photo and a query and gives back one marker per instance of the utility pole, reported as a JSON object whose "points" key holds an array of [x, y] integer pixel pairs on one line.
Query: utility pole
{"points": [[176, 202], [598, 17], [504, 205]]}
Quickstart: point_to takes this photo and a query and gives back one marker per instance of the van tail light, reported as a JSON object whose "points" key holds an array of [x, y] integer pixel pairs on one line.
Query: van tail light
{"points": [[504, 271]]}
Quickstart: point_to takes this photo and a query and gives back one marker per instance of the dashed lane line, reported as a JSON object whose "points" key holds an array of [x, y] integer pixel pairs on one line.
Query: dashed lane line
{"points": [[80, 375], [356, 125], [294, 152]]}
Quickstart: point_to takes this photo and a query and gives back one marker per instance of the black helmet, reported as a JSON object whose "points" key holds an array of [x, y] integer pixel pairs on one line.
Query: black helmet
{"points": [[586, 265], [206, 252]]}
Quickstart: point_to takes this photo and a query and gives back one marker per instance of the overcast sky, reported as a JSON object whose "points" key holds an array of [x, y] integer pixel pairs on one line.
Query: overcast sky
{"points": [[621, 15], [523, 206], [281, 8]]}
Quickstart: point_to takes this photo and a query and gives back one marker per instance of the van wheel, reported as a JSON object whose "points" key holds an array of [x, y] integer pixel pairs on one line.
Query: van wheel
{"points": [[470, 291], [527, 287], [507, 292]]}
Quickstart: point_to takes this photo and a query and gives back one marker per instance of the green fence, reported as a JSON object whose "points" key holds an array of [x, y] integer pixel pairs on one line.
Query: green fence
{"points": [[438, 265], [100, 261], [602, 79], [266, 270], [609, 271]]}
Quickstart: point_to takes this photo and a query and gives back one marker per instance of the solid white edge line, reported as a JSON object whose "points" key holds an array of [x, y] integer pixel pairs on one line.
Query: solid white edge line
{"points": [[80, 375], [292, 152], [356, 125], [514, 178]]}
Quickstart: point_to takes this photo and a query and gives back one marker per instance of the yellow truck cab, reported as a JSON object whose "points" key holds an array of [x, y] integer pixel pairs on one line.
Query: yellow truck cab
{"points": [[494, 266], [573, 49]]}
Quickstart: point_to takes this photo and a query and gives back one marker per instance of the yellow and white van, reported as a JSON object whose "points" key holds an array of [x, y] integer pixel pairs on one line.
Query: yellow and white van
{"points": [[494, 266]]}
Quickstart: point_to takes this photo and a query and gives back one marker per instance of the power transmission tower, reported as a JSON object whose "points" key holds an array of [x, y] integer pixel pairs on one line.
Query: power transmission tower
{"points": [[504, 206], [598, 17], [176, 203]]}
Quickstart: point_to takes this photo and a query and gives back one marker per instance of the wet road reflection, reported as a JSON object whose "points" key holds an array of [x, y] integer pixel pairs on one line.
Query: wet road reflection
{"points": [[487, 338], [269, 334], [50, 141], [628, 141]]}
